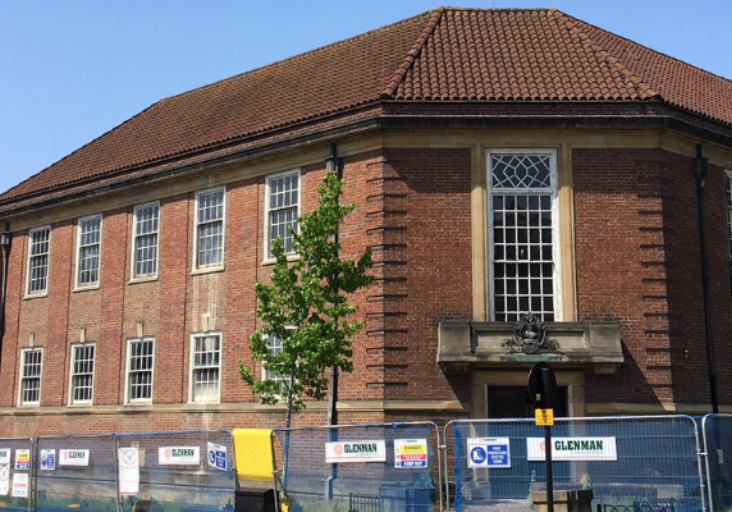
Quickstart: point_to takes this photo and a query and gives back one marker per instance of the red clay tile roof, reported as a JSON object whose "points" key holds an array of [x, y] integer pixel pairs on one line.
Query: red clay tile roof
{"points": [[452, 54]]}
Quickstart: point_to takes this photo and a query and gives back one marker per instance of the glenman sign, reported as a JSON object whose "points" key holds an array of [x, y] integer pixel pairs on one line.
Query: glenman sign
{"points": [[573, 448], [179, 455], [73, 457], [355, 451]]}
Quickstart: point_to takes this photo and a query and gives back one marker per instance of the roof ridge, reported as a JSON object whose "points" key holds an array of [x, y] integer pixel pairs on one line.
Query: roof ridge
{"points": [[413, 53], [646, 47], [285, 60], [574, 29]]}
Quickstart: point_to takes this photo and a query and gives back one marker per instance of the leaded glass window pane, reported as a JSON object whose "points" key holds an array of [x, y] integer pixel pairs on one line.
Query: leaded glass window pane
{"points": [[520, 171], [522, 224]]}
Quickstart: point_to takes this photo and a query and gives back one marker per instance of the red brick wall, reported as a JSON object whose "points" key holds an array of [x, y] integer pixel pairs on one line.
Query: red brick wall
{"points": [[426, 218], [637, 262], [637, 246]]}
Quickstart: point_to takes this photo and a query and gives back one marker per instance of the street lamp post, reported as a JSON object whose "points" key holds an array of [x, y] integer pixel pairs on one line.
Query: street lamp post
{"points": [[6, 239]]}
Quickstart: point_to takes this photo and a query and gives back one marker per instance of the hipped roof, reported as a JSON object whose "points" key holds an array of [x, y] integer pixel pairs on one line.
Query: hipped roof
{"points": [[447, 54]]}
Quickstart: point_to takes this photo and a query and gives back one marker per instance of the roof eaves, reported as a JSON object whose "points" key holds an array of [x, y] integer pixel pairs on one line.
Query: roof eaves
{"points": [[178, 155], [5, 195], [647, 91], [413, 53]]}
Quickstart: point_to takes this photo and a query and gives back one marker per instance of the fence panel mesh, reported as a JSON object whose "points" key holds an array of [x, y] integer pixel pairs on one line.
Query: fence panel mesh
{"points": [[16, 469], [626, 461], [188, 471], [76, 472], [380, 467], [717, 435]]}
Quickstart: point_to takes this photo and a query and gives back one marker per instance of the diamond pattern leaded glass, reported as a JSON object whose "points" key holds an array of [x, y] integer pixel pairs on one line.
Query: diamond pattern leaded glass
{"points": [[30, 383], [206, 365], [82, 373], [146, 240], [522, 224], [210, 218], [284, 198], [38, 260], [141, 370], [521, 171]]}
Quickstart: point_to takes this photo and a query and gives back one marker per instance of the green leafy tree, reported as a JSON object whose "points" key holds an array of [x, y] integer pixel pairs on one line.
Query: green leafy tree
{"points": [[306, 309]]}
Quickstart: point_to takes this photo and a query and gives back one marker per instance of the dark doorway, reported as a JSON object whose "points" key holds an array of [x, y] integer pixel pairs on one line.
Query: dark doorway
{"points": [[513, 402]]}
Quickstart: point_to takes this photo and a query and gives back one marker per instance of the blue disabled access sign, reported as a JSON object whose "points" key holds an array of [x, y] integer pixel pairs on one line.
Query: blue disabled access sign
{"points": [[217, 456], [489, 452]]}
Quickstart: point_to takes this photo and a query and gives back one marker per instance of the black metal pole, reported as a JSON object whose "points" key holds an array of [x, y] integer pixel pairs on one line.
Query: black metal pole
{"points": [[700, 171], [333, 166], [5, 242], [549, 471], [6, 239]]}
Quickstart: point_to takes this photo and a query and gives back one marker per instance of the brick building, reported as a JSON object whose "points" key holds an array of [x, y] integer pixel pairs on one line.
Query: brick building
{"points": [[501, 162]]}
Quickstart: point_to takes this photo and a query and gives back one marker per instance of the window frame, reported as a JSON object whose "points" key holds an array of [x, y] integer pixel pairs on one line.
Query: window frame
{"points": [[267, 210], [134, 276], [196, 236], [74, 347], [77, 281], [130, 342], [191, 369], [22, 378], [552, 153], [264, 370], [44, 292]]}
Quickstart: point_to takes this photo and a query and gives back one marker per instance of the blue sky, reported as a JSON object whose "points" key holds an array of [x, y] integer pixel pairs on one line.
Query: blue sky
{"points": [[71, 70]]}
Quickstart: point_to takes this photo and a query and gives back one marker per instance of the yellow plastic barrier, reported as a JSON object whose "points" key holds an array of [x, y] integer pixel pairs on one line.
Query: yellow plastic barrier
{"points": [[253, 454]]}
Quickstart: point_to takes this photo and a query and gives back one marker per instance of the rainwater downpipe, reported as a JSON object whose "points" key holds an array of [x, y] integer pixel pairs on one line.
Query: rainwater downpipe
{"points": [[701, 170], [5, 242]]}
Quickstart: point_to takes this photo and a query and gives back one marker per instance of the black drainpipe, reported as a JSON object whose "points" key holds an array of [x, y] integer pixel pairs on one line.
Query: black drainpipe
{"points": [[5, 241], [700, 170]]}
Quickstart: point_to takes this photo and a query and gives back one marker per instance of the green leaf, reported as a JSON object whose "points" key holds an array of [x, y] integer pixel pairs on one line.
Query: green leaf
{"points": [[307, 307]]}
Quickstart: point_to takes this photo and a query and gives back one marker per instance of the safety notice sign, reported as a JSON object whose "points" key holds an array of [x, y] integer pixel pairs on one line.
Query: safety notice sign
{"points": [[410, 453], [489, 452]]}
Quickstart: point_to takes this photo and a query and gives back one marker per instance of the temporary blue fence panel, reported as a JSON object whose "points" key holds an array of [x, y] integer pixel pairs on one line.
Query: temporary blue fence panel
{"points": [[400, 480], [76, 472], [648, 461], [189, 471], [16, 469], [717, 434]]}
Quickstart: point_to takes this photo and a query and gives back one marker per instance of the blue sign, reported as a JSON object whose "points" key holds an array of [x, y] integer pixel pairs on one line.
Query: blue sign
{"points": [[477, 455], [489, 452], [498, 456], [48, 460], [217, 456]]}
